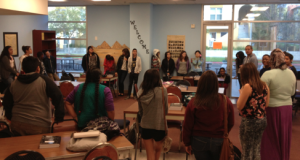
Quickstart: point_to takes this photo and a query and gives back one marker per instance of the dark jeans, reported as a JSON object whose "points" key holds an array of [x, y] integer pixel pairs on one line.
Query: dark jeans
{"points": [[178, 74], [133, 79], [206, 148], [239, 78], [122, 75]]}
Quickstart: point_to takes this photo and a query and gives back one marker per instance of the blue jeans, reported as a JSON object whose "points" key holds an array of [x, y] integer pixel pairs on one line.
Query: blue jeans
{"points": [[206, 148]]}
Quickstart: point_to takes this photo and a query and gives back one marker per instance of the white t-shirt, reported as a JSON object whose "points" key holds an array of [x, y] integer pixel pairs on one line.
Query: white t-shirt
{"points": [[12, 62], [21, 60]]}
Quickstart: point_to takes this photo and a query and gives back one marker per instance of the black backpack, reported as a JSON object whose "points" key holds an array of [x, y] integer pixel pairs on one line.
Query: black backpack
{"points": [[67, 76]]}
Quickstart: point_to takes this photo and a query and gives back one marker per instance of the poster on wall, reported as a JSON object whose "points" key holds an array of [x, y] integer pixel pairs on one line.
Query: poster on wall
{"points": [[175, 44], [11, 39]]}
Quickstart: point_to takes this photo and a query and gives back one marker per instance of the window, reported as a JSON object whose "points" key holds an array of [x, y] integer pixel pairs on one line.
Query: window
{"points": [[70, 26], [213, 35], [215, 13], [223, 33]]}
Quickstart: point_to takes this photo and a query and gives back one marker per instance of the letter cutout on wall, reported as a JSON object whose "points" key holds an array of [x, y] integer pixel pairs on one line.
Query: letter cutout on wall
{"points": [[139, 37]]}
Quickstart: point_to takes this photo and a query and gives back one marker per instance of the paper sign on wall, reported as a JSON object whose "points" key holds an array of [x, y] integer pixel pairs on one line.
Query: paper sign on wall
{"points": [[217, 45], [175, 44]]}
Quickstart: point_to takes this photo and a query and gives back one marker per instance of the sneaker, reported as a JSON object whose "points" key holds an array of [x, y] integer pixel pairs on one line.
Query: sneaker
{"points": [[127, 98]]}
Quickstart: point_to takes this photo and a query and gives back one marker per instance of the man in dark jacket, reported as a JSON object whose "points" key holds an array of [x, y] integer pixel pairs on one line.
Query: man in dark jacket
{"points": [[26, 101], [40, 56], [90, 60], [50, 65]]}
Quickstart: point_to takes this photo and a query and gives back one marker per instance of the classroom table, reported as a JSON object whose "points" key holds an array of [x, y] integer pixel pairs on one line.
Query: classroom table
{"points": [[11, 145], [177, 78], [191, 89]]}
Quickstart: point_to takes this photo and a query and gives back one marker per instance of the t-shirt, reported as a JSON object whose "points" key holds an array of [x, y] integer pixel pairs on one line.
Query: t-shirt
{"points": [[93, 61], [252, 58], [133, 64]]}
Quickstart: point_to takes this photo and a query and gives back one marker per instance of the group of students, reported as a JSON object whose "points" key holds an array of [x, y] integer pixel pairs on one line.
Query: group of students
{"points": [[264, 104]]}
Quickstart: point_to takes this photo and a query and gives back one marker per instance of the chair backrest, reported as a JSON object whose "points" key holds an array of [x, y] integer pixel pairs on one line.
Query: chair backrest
{"points": [[103, 149], [102, 158], [81, 79], [183, 82], [136, 88], [190, 80], [25, 155], [193, 73], [172, 98], [175, 90], [66, 88]]}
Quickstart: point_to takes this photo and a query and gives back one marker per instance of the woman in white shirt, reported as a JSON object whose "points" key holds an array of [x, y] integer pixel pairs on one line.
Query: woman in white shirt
{"points": [[27, 51]]}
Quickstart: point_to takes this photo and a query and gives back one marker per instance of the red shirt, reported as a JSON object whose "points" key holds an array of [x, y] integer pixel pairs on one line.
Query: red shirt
{"points": [[206, 122]]}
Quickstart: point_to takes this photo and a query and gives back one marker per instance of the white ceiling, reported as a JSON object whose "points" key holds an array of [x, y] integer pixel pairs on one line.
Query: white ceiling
{"points": [[127, 2]]}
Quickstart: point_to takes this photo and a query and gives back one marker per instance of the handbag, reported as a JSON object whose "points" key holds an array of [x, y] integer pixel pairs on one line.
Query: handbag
{"points": [[227, 152], [167, 141]]}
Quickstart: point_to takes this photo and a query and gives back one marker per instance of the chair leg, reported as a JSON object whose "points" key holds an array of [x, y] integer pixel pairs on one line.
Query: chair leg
{"points": [[136, 146], [140, 144]]}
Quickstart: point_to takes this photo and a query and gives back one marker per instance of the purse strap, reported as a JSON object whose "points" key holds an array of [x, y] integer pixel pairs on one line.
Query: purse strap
{"points": [[225, 117], [163, 107]]}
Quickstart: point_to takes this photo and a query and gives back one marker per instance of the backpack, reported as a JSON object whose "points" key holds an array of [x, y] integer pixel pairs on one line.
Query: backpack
{"points": [[131, 134], [66, 77]]}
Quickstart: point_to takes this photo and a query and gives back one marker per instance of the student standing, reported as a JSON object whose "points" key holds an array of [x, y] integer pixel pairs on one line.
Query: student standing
{"points": [[8, 69], [238, 64], [276, 140], [40, 56], [151, 110], [50, 65], [226, 79], [122, 69], [203, 126], [27, 51], [288, 59], [90, 60], [183, 65], [155, 63], [251, 57], [91, 100], [253, 100], [26, 102], [134, 68], [167, 66], [197, 62], [266, 63]]}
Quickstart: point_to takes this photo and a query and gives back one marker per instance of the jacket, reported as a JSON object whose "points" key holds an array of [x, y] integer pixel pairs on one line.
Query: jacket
{"points": [[199, 121], [138, 67], [168, 64], [50, 66], [188, 65], [85, 61], [27, 100], [227, 78], [120, 63], [5, 68], [151, 108]]}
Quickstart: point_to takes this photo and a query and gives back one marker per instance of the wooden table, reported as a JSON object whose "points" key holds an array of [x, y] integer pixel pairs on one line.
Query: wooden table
{"points": [[191, 89], [177, 78], [14, 144], [73, 82]]}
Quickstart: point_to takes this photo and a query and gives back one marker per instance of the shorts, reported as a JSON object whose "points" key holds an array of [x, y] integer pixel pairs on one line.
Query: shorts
{"points": [[157, 135]]}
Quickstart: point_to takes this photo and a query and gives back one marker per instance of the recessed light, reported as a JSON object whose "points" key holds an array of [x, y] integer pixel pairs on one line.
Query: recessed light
{"points": [[101, 0], [259, 8], [253, 15], [57, 0]]}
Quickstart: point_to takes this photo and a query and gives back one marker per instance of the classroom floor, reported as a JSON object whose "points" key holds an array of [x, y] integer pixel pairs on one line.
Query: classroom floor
{"points": [[174, 154]]}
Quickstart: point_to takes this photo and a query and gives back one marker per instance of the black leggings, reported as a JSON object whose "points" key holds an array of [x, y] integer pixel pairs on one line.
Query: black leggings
{"points": [[122, 75]]}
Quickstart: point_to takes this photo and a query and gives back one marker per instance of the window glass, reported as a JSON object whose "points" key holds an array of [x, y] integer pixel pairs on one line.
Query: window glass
{"points": [[66, 14], [68, 30], [215, 12]]}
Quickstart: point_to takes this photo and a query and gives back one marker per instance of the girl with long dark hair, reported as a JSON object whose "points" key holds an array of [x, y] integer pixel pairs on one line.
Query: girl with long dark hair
{"points": [[203, 127], [183, 65], [167, 66], [7, 67], [238, 63], [151, 111], [90, 60], [91, 100], [252, 103], [122, 69]]}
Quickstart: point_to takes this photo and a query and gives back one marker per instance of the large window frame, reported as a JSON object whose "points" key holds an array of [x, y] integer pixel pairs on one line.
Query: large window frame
{"points": [[69, 55]]}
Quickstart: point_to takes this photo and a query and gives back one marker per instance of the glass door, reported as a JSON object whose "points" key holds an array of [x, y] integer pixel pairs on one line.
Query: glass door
{"points": [[216, 48]]}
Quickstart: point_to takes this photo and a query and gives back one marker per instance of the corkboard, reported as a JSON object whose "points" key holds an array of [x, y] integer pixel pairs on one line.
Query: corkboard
{"points": [[105, 49], [175, 44]]}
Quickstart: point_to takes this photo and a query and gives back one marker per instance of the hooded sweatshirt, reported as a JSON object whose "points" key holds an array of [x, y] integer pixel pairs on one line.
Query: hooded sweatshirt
{"points": [[155, 59], [27, 100], [151, 108]]}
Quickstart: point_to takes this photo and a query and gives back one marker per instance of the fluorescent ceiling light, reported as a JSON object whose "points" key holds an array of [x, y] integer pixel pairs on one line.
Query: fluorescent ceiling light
{"points": [[259, 8], [253, 15], [101, 0], [57, 0]]}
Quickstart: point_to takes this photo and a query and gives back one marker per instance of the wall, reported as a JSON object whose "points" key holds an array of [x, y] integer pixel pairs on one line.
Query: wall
{"points": [[177, 20], [23, 24]]}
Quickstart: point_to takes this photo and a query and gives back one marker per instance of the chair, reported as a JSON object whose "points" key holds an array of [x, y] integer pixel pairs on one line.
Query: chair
{"points": [[5, 131], [103, 149], [172, 98], [175, 90], [183, 82], [25, 155], [102, 158], [192, 73], [190, 80], [81, 79], [66, 88], [121, 123]]}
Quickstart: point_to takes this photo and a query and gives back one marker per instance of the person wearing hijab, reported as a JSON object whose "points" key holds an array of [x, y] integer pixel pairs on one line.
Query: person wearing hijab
{"points": [[155, 59], [276, 140]]}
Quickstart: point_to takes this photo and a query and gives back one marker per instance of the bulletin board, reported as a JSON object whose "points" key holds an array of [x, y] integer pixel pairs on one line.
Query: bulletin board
{"points": [[175, 44]]}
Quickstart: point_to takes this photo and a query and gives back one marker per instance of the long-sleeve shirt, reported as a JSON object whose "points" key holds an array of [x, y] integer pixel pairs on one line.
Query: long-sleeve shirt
{"points": [[50, 64], [199, 121], [168, 66], [197, 64], [251, 59], [109, 65]]}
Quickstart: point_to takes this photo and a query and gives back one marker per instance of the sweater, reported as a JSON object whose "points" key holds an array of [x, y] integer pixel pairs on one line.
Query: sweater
{"points": [[5, 68], [206, 122], [197, 64], [282, 85], [109, 65], [27, 100], [138, 67], [188, 65], [227, 78], [86, 59], [151, 108], [262, 71], [168, 65]]}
